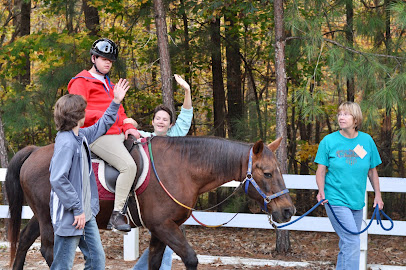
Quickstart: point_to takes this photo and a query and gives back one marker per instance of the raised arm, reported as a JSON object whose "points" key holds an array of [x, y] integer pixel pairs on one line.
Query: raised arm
{"points": [[187, 102]]}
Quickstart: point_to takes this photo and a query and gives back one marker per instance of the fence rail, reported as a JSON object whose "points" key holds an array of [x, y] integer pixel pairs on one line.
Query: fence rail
{"points": [[260, 221]]}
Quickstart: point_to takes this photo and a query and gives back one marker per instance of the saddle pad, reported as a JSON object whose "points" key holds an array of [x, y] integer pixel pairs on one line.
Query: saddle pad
{"points": [[104, 194], [98, 167]]}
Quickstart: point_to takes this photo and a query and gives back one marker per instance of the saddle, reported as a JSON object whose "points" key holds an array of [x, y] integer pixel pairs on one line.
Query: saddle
{"points": [[106, 175]]}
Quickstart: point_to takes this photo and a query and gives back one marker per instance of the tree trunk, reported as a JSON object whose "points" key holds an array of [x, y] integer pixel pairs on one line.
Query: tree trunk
{"points": [[188, 57], [70, 11], [234, 93], [3, 148], [291, 133], [92, 19], [25, 29], [401, 167], [386, 135], [256, 99], [219, 100], [349, 34], [3, 164], [386, 144], [164, 57], [282, 236]]}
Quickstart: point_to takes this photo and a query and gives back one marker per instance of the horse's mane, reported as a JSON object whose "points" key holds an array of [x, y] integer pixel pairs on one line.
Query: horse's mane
{"points": [[220, 156]]}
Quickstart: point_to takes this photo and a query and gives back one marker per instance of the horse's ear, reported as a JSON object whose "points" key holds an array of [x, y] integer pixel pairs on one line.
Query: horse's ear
{"points": [[258, 147], [275, 144]]}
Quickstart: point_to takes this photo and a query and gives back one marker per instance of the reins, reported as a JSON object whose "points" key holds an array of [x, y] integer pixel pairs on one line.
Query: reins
{"points": [[173, 198], [377, 214], [212, 226]]}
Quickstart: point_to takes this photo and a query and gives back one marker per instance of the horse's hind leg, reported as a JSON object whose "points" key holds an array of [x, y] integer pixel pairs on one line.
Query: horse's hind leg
{"points": [[47, 241], [27, 238]]}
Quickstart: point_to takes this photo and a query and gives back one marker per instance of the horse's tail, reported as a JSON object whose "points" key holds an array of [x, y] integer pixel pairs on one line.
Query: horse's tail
{"points": [[15, 197]]}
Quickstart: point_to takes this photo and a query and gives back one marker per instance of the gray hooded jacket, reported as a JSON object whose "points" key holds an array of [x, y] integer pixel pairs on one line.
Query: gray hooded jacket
{"points": [[66, 173]]}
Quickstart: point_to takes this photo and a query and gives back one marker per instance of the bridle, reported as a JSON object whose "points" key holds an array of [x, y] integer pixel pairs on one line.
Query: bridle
{"points": [[248, 179]]}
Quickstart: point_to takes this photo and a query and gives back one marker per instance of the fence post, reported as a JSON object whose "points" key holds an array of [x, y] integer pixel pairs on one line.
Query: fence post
{"points": [[364, 238], [131, 245]]}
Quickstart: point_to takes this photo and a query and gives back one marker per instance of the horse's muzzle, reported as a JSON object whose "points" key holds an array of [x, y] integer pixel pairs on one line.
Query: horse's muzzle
{"points": [[284, 214]]}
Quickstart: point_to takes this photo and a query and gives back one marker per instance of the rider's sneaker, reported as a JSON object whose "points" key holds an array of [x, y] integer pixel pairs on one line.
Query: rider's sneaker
{"points": [[118, 222]]}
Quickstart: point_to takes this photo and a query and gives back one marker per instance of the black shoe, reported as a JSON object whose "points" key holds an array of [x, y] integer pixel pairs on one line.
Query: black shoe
{"points": [[118, 222]]}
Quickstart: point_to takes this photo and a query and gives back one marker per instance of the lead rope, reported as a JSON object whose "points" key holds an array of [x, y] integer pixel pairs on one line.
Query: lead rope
{"points": [[375, 214]]}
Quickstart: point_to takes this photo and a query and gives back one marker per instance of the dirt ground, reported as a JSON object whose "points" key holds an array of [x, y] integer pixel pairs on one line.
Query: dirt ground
{"points": [[319, 248]]}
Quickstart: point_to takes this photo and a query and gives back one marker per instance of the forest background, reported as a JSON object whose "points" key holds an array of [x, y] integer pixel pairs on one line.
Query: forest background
{"points": [[258, 70]]}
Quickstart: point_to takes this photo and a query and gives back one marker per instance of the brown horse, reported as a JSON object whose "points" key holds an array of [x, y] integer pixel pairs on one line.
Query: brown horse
{"points": [[187, 166]]}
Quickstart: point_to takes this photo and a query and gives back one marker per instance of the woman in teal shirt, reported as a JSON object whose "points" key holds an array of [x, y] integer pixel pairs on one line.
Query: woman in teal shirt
{"points": [[345, 159], [163, 126]]}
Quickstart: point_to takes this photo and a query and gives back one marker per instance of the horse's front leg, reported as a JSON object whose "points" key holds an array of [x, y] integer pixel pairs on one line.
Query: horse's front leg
{"points": [[156, 252], [170, 234], [27, 238]]}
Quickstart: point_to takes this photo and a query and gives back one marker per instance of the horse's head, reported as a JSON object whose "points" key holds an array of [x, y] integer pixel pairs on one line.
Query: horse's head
{"points": [[270, 189]]}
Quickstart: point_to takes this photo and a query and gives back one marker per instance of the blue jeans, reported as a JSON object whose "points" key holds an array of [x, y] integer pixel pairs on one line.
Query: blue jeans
{"points": [[166, 264], [89, 243], [348, 257]]}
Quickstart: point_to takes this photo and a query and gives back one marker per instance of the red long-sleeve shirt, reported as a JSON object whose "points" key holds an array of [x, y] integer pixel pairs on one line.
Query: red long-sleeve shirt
{"points": [[98, 100]]}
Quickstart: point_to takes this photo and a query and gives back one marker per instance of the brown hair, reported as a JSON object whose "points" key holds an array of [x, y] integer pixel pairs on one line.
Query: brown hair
{"points": [[355, 110], [163, 108], [69, 109]]}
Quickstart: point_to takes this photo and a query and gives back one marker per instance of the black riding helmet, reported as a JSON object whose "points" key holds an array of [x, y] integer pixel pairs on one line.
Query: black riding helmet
{"points": [[106, 48]]}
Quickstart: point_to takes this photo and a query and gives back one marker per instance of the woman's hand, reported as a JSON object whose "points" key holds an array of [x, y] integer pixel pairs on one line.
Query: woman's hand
{"points": [[187, 101], [321, 196], [182, 82], [131, 121], [378, 201], [132, 131]]}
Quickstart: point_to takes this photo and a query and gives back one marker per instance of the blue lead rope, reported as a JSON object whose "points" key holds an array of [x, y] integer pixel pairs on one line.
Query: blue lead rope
{"points": [[302, 216], [377, 214]]}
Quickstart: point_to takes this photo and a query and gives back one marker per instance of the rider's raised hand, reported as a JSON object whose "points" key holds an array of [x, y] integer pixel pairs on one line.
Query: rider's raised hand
{"points": [[182, 82], [120, 89], [187, 101]]}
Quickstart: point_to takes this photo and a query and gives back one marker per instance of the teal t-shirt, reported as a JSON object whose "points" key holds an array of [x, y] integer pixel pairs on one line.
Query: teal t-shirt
{"points": [[347, 173]]}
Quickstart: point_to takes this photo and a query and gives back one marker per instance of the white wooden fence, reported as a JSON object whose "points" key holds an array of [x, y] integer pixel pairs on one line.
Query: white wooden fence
{"points": [[315, 224]]}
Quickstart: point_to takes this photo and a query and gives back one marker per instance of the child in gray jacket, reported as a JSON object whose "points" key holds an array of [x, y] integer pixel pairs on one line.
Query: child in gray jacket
{"points": [[74, 200]]}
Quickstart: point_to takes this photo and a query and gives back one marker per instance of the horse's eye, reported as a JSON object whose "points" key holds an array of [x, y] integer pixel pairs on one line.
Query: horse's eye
{"points": [[268, 175]]}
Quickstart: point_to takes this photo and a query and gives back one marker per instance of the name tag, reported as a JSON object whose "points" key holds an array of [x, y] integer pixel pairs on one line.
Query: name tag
{"points": [[360, 151]]}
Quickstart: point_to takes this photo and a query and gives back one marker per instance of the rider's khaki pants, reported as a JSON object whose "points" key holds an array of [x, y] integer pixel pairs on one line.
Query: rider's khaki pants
{"points": [[111, 149]]}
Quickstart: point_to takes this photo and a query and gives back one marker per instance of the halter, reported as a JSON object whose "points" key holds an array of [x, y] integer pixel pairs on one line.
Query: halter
{"points": [[248, 179]]}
